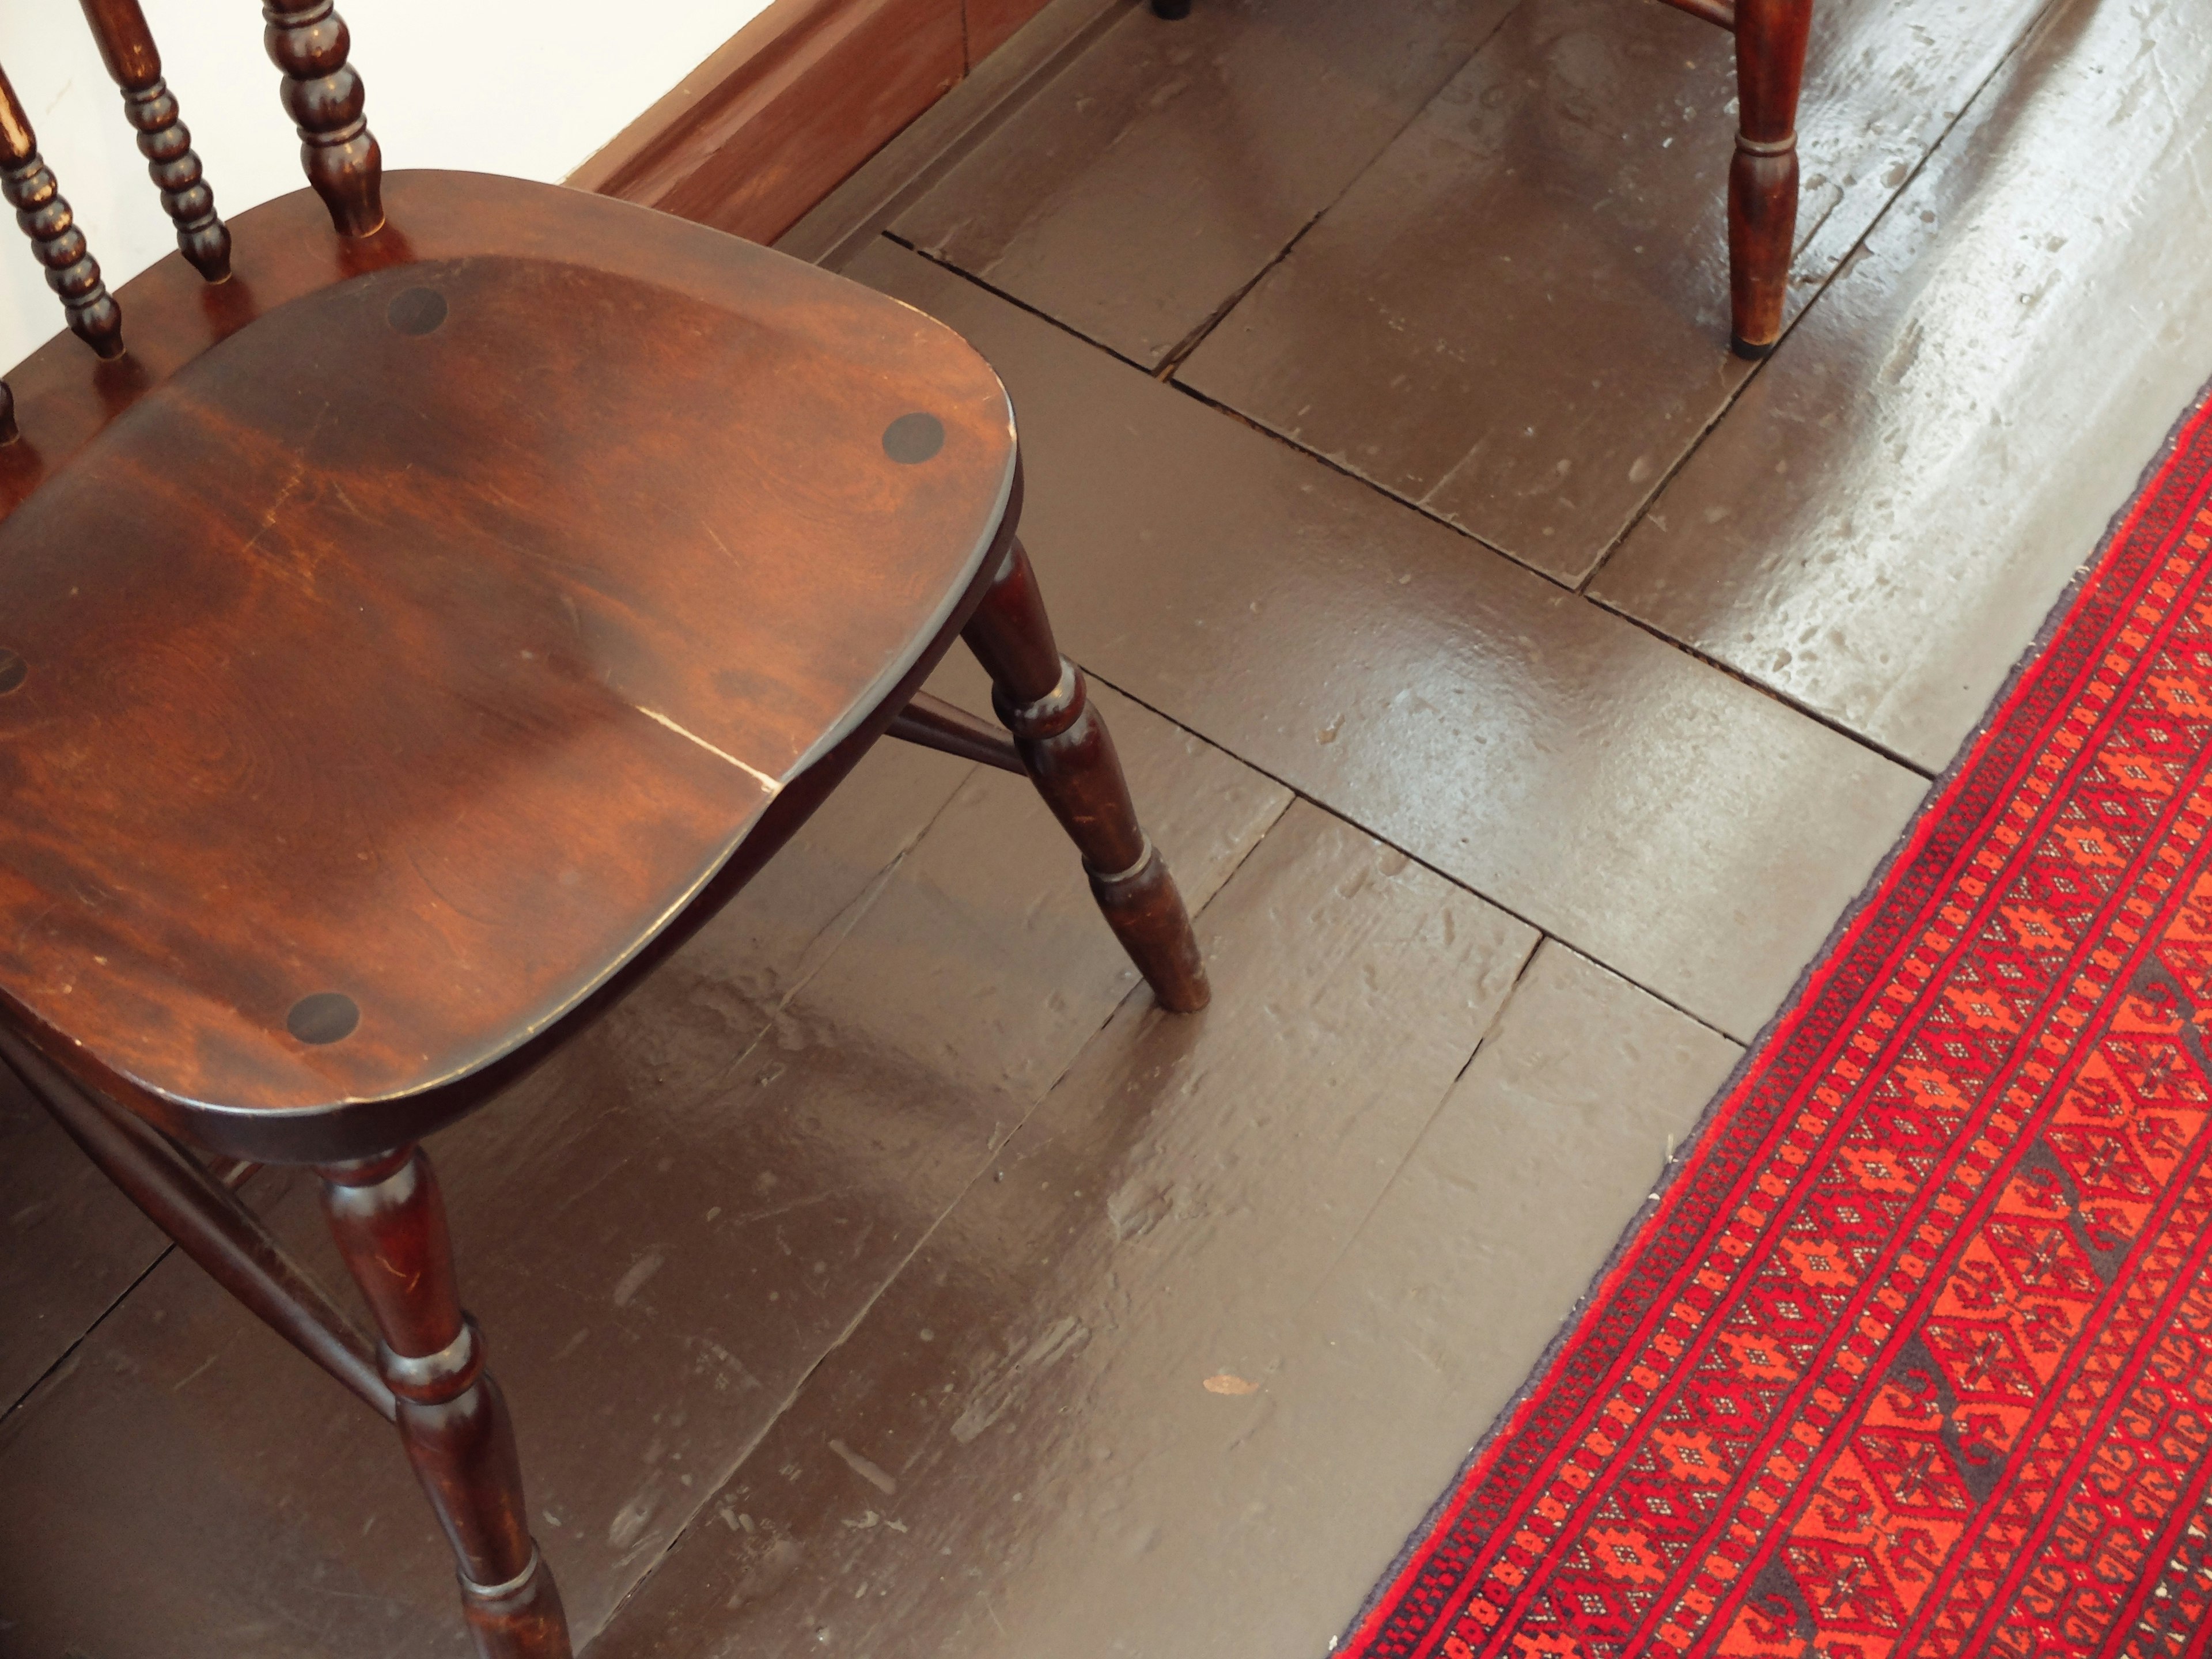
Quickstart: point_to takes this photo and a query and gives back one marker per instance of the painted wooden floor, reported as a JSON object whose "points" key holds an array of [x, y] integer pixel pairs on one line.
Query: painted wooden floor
{"points": [[1522, 686]]}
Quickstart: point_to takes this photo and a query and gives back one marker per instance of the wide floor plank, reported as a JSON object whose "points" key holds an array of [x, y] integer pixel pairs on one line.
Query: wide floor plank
{"points": [[1900, 496], [1145, 187], [1692, 833], [1518, 317], [1177, 1384]]}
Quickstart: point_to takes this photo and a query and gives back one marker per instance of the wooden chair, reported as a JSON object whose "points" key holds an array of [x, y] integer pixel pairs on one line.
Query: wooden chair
{"points": [[1762, 199], [410, 636]]}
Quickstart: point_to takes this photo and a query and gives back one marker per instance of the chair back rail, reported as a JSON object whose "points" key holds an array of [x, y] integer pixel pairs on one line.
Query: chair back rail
{"points": [[308, 41], [44, 212], [126, 47], [321, 91]]}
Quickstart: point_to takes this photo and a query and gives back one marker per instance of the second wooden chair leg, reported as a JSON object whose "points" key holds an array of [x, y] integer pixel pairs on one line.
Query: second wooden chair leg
{"points": [[390, 1225], [1043, 699], [1770, 68]]}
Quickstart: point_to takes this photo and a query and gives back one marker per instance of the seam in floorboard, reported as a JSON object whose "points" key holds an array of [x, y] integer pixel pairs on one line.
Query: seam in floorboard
{"points": [[1181, 353], [1736, 674], [1166, 375], [852, 916], [1028, 90], [1015, 301], [1850, 258], [1420, 1135], [1815, 715], [998, 1146], [1373, 834], [68, 1355]]}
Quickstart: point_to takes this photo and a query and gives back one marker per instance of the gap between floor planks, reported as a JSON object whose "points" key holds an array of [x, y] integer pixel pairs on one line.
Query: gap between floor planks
{"points": [[1167, 369]]}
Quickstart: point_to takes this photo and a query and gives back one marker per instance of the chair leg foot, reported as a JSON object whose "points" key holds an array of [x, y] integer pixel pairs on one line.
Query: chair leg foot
{"points": [[1144, 909], [520, 1621], [1171, 10], [1762, 229], [1043, 700], [1769, 62], [390, 1224]]}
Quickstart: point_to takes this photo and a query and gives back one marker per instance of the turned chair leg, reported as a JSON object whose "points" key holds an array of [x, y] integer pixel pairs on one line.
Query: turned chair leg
{"points": [[1770, 70], [1043, 700], [390, 1225]]}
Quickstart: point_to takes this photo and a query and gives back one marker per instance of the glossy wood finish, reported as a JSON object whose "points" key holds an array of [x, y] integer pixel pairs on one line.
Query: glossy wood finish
{"points": [[29, 186], [1118, 1428], [866, 1024], [1762, 194], [1043, 699], [936, 724], [389, 1221], [661, 1230], [196, 1208], [126, 47], [664, 687], [1144, 187], [1655, 813], [1771, 38], [323, 94], [279, 521], [1770, 70], [1906, 489], [782, 114], [1517, 318]]}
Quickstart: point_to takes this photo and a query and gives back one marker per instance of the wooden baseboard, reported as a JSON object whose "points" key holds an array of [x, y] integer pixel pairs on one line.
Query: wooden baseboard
{"points": [[792, 105]]}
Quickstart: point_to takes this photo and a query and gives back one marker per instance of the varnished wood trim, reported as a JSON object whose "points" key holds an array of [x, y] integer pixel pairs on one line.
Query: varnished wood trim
{"points": [[784, 112], [936, 724]]}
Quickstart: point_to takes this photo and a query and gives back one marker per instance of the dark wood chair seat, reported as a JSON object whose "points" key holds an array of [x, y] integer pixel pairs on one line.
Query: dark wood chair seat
{"points": [[410, 629], [327, 697]]}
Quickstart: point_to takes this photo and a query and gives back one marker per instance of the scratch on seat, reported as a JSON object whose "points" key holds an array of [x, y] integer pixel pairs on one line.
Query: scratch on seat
{"points": [[766, 781]]}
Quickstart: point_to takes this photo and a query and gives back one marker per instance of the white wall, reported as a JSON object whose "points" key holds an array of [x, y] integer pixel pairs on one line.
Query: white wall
{"points": [[439, 95]]}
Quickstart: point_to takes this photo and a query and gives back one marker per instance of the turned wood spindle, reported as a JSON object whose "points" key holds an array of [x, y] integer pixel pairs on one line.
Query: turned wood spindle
{"points": [[1771, 38], [126, 47], [1043, 700], [308, 41], [72, 272], [390, 1225]]}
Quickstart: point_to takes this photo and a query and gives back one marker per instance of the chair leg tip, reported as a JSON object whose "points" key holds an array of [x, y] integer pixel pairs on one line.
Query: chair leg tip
{"points": [[1186, 999], [1745, 349], [1171, 10]]}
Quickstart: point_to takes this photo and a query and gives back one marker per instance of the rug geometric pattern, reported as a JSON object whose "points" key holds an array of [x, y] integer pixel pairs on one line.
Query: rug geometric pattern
{"points": [[1914, 1355]]}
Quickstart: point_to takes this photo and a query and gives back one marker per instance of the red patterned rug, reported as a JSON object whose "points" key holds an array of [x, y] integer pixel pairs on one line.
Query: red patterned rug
{"points": [[1914, 1356]]}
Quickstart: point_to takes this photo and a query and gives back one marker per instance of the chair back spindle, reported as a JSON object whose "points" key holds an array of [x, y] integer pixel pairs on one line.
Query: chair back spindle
{"points": [[308, 41], [126, 47], [72, 272]]}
